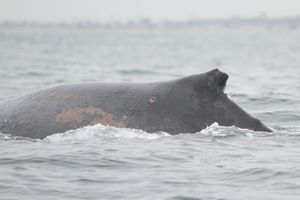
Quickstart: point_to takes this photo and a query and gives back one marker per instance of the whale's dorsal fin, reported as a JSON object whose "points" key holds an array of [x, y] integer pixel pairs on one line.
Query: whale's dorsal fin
{"points": [[217, 79]]}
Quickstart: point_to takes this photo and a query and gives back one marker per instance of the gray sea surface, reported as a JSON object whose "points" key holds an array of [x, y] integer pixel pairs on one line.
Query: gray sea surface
{"points": [[99, 162]]}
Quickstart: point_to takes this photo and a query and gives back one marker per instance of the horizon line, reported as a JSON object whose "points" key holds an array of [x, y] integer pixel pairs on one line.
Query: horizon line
{"points": [[149, 20]]}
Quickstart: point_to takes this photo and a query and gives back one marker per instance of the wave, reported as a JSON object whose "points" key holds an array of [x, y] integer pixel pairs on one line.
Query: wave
{"points": [[101, 132], [215, 130]]}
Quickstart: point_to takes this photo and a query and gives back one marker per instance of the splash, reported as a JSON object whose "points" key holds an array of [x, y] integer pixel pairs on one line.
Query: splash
{"points": [[5, 136], [12, 137], [215, 130], [100, 131]]}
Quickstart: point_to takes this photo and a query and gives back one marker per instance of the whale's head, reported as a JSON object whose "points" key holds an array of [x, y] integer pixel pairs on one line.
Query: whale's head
{"points": [[209, 103]]}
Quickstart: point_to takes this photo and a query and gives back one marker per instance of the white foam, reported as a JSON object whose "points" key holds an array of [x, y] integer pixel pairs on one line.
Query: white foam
{"points": [[5, 136], [100, 131], [228, 96], [213, 130], [223, 131]]}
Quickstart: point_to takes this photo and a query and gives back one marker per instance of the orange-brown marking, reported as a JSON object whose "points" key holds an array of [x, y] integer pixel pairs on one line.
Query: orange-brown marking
{"points": [[67, 96], [76, 115], [152, 99]]}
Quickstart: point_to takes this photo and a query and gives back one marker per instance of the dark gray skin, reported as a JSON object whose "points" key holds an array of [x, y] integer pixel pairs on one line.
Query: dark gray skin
{"points": [[185, 105]]}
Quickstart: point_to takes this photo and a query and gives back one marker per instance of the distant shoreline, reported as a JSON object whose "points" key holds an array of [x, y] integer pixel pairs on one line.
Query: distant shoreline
{"points": [[259, 21]]}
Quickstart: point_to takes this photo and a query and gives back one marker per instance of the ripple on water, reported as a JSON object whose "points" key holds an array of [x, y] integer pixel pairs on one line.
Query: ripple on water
{"points": [[136, 164]]}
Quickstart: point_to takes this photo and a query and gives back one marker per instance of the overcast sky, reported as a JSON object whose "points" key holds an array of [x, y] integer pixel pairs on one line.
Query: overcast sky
{"points": [[123, 10]]}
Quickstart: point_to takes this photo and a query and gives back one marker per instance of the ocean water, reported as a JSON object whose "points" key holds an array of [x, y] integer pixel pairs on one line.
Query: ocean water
{"points": [[99, 162]]}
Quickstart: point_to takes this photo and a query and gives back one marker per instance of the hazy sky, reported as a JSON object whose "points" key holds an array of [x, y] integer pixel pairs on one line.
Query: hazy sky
{"points": [[109, 10]]}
